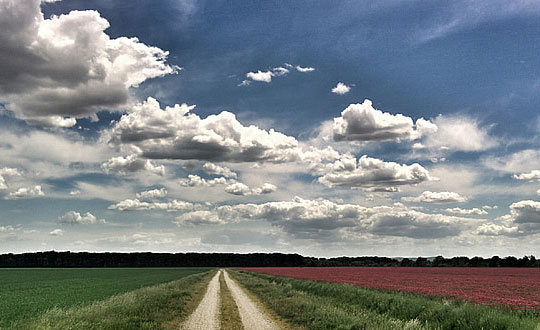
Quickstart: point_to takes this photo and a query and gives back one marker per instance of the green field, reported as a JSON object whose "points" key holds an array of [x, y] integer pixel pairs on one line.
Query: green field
{"points": [[26, 293], [319, 305]]}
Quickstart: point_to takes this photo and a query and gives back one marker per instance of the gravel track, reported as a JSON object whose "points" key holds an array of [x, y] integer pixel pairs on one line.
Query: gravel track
{"points": [[206, 316], [251, 315]]}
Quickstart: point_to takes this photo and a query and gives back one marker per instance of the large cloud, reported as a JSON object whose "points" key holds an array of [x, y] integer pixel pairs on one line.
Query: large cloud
{"points": [[414, 224], [324, 219], [362, 122], [175, 133], [370, 172], [524, 219], [436, 197], [65, 67]]}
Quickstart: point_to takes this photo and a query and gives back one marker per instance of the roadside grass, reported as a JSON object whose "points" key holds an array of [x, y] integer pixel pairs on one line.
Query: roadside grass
{"points": [[230, 317], [320, 305], [163, 306], [26, 293]]}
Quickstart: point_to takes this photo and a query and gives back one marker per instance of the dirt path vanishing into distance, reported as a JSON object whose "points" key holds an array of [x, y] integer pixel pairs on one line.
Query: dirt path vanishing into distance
{"points": [[206, 316], [251, 315]]}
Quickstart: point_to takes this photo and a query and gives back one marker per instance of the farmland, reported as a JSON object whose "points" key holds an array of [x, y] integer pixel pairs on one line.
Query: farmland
{"points": [[513, 287], [323, 305], [26, 293]]}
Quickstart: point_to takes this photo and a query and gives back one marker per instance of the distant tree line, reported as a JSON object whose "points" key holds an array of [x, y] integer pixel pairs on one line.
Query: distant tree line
{"points": [[148, 259]]}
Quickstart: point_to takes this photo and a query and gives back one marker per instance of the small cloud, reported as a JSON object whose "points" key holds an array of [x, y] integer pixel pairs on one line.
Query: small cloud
{"points": [[212, 168], [238, 188], [460, 211], [304, 69], [266, 188], [132, 163], [341, 89], [152, 194], [532, 175], [75, 218], [265, 76], [198, 218], [280, 71], [57, 232], [196, 181], [241, 189], [26, 193], [436, 197]]}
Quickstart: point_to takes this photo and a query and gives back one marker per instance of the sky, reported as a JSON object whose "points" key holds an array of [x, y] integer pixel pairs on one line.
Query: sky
{"points": [[389, 128]]}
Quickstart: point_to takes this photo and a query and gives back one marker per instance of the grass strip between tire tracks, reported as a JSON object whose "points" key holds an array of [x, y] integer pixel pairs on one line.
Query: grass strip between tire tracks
{"points": [[230, 317], [319, 305], [162, 306]]}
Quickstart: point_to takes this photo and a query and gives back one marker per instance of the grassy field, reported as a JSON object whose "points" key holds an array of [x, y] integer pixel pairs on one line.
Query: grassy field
{"points": [[27, 293], [317, 305]]}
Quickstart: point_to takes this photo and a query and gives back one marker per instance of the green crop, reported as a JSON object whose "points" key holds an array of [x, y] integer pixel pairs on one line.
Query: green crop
{"points": [[26, 293]]}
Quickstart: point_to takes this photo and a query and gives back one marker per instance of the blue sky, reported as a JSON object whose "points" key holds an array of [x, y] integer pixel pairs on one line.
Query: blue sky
{"points": [[395, 128]]}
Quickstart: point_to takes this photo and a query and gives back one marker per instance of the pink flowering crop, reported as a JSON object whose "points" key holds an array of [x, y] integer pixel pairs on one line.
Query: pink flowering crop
{"points": [[515, 287]]}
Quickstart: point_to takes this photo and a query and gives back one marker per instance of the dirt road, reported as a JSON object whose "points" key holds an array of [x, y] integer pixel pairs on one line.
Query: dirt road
{"points": [[206, 316], [251, 315]]}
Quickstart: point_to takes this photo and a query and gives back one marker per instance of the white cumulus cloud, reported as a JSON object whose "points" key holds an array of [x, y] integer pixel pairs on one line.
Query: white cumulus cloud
{"points": [[132, 163], [170, 206], [523, 219], [238, 188], [26, 193], [152, 194], [341, 89], [304, 69], [367, 172], [436, 197], [362, 122], [174, 133], [460, 211], [65, 67], [264, 76], [75, 218], [328, 220], [196, 181], [266, 188], [212, 168]]}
